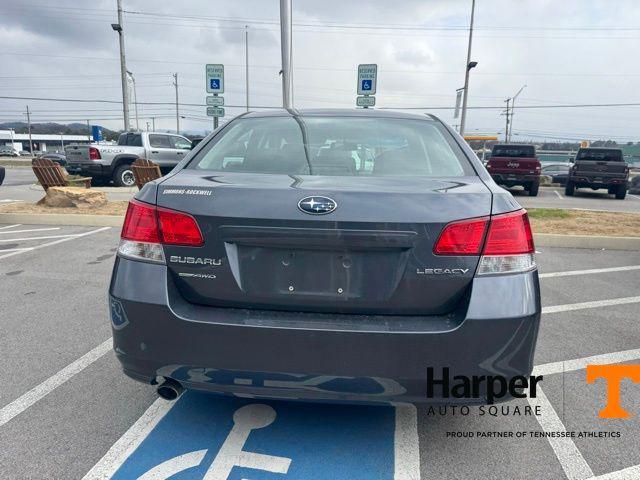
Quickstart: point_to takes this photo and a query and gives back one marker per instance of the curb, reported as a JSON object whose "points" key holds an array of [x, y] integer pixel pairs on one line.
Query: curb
{"points": [[541, 239], [62, 219], [587, 241]]}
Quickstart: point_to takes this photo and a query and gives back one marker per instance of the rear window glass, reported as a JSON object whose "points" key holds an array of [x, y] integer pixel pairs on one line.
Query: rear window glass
{"points": [[337, 146], [600, 155], [519, 151]]}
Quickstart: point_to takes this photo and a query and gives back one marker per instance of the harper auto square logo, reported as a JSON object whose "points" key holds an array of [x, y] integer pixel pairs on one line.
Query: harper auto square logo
{"points": [[613, 376]]}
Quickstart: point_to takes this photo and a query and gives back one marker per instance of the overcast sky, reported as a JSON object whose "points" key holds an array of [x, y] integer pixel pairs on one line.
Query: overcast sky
{"points": [[566, 52]]}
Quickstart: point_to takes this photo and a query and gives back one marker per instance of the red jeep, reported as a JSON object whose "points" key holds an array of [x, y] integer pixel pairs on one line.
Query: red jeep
{"points": [[511, 165]]}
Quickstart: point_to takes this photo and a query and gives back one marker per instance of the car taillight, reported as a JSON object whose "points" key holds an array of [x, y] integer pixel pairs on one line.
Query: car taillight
{"points": [[146, 228], [462, 238], [94, 153], [507, 246]]}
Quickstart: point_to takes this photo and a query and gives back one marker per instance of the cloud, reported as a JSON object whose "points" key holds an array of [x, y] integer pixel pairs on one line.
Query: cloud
{"points": [[71, 52]]}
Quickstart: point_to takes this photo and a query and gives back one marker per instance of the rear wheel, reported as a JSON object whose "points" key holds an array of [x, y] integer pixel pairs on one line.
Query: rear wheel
{"points": [[569, 189], [611, 190], [123, 176], [533, 189], [621, 192]]}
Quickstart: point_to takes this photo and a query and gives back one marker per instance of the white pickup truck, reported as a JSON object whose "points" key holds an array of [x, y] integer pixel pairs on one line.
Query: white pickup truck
{"points": [[113, 162]]}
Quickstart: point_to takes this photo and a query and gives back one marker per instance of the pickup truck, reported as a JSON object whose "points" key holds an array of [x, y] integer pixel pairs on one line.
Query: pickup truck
{"points": [[512, 165], [599, 168], [113, 162]]}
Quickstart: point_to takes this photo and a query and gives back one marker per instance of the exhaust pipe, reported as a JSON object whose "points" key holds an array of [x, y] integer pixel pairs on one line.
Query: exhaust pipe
{"points": [[170, 389]]}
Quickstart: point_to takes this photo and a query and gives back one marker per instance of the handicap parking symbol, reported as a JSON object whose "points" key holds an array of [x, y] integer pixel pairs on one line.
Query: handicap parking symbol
{"points": [[214, 84], [218, 438], [366, 85]]}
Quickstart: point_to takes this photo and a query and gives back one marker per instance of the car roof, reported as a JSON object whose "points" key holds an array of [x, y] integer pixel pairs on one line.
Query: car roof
{"points": [[339, 112], [600, 148]]}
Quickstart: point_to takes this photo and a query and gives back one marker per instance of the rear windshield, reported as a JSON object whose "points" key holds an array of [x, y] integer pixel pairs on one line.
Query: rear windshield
{"points": [[600, 155], [338, 146], [518, 151]]}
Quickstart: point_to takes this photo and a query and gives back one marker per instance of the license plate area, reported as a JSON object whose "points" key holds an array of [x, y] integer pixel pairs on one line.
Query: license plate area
{"points": [[322, 274]]}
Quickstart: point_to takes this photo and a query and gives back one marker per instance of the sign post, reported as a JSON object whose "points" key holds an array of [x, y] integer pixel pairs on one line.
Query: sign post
{"points": [[367, 83], [214, 73]]}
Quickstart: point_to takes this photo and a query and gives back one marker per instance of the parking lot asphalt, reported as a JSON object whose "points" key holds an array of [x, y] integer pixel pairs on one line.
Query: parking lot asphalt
{"points": [[67, 411]]}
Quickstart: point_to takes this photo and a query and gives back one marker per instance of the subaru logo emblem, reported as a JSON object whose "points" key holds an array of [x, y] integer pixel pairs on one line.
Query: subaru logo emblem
{"points": [[317, 205]]}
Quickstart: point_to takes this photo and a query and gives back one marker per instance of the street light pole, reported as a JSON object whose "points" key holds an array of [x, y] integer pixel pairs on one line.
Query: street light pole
{"points": [[513, 106], [135, 98], [468, 67], [123, 67], [285, 47], [246, 60], [506, 127]]}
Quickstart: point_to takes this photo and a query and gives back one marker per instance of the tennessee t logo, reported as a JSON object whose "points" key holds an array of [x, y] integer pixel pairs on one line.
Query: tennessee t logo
{"points": [[613, 375]]}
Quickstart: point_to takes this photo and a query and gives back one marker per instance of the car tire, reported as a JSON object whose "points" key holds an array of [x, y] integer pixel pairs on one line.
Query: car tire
{"points": [[533, 189], [612, 190], [123, 176], [1, 174], [621, 192], [569, 189]]}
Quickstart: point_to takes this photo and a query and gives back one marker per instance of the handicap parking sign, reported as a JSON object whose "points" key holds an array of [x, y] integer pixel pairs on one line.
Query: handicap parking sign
{"points": [[211, 437], [366, 85], [215, 84]]}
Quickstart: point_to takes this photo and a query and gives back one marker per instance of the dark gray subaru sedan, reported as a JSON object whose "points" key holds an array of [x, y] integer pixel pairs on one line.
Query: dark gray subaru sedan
{"points": [[327, 255]]}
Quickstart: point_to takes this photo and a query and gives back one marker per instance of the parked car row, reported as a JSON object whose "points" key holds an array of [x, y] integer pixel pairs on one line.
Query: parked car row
{"points": [[594, 168]]}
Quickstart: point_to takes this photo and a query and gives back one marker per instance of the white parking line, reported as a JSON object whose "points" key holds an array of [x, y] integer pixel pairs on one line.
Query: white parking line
{"points": [[55, 242], [30, 230], [16, 250], [634, 196], [571, 460], [558, 194], [10, 226], [589, 272], [40, 391], [585, 305], [406, 445], [581, 363], [127, 444], [24, 239], [631, 473]]}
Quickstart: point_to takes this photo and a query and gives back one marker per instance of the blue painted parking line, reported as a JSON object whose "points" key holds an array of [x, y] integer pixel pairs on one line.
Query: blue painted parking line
{"points": [[213, 438]]}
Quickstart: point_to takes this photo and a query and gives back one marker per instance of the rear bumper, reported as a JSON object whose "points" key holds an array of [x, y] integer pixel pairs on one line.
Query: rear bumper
{"points": [[514, 179], [88, 169], [321, 357], [597, 181]]}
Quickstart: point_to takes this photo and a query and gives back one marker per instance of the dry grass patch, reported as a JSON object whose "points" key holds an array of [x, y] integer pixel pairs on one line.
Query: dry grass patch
{"points": [[582, 222]]}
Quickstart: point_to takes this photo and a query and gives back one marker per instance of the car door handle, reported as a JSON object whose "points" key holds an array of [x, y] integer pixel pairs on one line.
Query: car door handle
{"points": [[154, 151], [180, 153]]}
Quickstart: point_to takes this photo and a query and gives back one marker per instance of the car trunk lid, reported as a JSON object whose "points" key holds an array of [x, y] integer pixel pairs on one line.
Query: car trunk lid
{"points": [[373, 254]]}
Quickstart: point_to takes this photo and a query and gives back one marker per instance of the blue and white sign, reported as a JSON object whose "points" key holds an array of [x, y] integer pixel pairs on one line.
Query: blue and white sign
{"points": [[367, 79], [96, 133], [211, 437], [214, 73]]}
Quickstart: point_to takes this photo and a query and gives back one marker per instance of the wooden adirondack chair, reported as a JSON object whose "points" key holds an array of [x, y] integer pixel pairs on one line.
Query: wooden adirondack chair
{"points": [[50, 174], [145, 171]]}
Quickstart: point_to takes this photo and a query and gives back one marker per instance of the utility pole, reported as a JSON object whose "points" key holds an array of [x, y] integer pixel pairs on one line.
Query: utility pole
{"points": [[506, 127], [175, 84], [123, 67], [468, 67], [285, 47], [153, 120], [29, 129], [88, 130], [147, 126], [246, 61]]}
